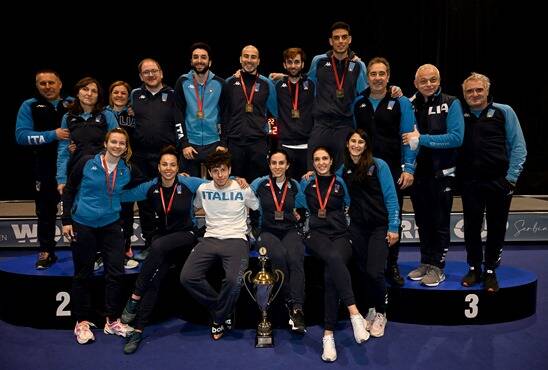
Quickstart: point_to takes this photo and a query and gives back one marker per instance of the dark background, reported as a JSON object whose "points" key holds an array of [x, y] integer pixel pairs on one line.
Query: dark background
{"points": [[503, 40]]}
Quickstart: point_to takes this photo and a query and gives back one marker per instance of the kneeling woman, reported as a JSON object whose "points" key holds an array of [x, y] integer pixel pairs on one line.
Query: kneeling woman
{"points": [[329, 240], [374, 222], [171, 197]]}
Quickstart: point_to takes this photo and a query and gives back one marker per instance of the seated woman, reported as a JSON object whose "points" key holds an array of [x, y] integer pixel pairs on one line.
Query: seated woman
{"points": [[329, 240], [280, 197], [171, 197]]}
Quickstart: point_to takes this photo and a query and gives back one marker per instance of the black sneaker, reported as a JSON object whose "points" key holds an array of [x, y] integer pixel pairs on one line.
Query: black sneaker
{"points": [[296, 321], [490, 282], [472, 277], [130, 311], [45, 260], [132, 342], [393, 276], [230, 322]]}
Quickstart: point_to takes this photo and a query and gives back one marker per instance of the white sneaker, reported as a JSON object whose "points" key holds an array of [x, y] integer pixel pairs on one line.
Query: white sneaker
{"points": [[377, 328], [329, 351], [83, 332], [370, 318], [118, 328], [358, 325], [130, 264]]}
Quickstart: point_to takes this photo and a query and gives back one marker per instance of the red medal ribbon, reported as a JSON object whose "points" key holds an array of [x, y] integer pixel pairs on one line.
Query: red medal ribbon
{"points": [[323, 204], [339, 82], [249, 98], [295, 100], [199, 101], [166, 211], [110, 186], [279, 206]]}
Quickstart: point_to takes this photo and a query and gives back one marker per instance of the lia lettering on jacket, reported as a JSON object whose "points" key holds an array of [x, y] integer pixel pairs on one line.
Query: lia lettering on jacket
{"points": [[438, 109], [215, 195]]}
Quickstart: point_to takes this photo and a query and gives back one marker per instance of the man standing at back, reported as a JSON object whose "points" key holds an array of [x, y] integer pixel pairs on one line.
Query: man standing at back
{"points": [[158, 123], [340, 76], [490, 162], [247, 99], [439, 132], [38, 125], [385, 119], [198, 95]]}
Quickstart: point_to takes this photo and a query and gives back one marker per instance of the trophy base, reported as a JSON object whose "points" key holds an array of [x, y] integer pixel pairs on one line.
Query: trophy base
{"points": [[264, 342]]}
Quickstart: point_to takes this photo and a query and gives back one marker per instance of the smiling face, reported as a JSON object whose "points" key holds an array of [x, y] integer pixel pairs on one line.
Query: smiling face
{"points": [[378, 76], [49, 86], [427, 80], [356, 146], [116, 144], [249, 59], [200, 61], [168, 167], [119, 97], [278, 165], [151, 74], [294, 66], [322, 162]]}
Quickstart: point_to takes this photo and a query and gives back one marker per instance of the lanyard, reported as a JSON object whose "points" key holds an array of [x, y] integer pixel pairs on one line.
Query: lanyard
{"points": [[279, 206], [323, 203]]}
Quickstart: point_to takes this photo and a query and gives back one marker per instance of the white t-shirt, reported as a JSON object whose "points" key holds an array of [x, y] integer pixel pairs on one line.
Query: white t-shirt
{"points": [[225, 209]]}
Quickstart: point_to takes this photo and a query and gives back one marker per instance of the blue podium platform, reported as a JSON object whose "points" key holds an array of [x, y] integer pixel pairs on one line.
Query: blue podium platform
{"points": [[41, 299], [452, 304]]}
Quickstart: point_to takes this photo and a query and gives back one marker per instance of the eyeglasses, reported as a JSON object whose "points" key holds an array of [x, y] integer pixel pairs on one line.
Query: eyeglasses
{"points": [[150, 72]]}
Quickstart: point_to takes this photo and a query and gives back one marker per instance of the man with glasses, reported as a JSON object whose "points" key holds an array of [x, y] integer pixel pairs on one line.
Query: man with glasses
{"points": [[158, 123]]}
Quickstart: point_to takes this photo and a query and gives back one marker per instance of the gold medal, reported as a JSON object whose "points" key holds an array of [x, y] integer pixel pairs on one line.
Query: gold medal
{"points": [[295, 114], [340, 93], [249, 108], [322, 213], [278, 215], [199, 114]]}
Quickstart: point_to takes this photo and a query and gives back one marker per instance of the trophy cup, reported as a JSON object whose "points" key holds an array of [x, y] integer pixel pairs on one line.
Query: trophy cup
{"points": [[261, 293]]}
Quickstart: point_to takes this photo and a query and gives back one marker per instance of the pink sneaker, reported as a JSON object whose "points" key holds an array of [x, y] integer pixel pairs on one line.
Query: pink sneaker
{"points": [[117, 328], [83, 332]]}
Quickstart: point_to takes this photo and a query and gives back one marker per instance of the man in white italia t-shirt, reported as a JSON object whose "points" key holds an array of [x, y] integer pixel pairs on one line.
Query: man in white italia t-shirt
{"points": [[225, 204]]}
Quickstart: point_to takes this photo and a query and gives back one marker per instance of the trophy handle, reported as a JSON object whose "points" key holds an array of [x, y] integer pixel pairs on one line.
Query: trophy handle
{"points": [[246, 278], [280, 277]]}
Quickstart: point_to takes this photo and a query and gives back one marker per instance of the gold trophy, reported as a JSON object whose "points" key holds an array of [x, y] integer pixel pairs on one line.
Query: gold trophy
{"points": [[263, 286]]}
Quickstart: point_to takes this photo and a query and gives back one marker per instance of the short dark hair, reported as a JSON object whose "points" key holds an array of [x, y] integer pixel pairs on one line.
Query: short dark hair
{"points": [[171, 150], [200, 45], [340, 25], [217, 159]]}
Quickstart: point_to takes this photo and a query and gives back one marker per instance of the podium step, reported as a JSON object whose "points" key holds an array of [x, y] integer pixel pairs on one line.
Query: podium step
{"points": [[452, 304], [42, 299]]}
